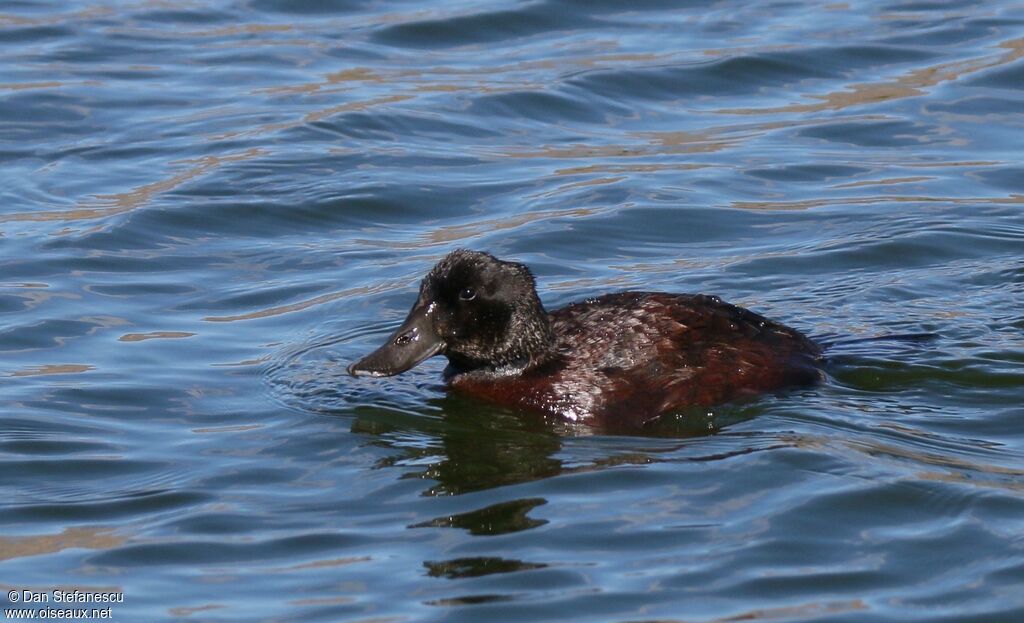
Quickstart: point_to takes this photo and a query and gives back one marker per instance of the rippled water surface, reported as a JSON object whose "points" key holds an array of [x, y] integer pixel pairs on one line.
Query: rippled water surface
{"points": [[208, 209]]}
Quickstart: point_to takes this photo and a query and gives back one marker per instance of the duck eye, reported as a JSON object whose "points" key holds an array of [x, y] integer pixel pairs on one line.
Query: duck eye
{"points": [[467, 294]]}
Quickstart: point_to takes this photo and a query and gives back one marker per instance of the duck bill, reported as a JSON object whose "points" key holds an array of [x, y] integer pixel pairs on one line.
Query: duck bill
{"points": [[413, 342]]}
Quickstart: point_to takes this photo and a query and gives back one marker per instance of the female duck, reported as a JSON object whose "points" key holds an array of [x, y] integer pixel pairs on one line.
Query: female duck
{"points": [[618, 359]]}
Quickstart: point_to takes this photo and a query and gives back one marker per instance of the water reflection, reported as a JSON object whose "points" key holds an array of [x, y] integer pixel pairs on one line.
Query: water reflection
{"points": [[503, 518], [478, 448], [461, 446], [88, 537], [477, 567]]}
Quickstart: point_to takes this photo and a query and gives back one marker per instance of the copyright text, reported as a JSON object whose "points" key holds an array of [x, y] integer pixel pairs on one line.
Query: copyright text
{"points": [[40, 604]]}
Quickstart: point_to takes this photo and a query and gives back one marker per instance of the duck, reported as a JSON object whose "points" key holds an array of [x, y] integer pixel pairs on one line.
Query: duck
{"points": [[623, 359]]}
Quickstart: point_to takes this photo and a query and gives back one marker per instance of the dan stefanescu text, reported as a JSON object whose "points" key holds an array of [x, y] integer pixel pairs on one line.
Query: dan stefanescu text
{"points": [[69, 597]]}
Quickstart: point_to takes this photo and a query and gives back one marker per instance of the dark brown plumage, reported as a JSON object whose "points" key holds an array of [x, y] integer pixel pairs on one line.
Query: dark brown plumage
{"points": [[615, 360]]}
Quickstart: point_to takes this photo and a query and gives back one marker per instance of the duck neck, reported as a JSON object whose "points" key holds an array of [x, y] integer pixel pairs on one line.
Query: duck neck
{"points": [[526, 343], [531, 341]]}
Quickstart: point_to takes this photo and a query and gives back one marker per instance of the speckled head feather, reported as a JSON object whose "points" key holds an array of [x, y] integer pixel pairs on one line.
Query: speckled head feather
{"points": [[487, 311]]}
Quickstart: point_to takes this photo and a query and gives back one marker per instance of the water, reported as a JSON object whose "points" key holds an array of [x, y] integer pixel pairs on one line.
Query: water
{"points": [[209, 209]]}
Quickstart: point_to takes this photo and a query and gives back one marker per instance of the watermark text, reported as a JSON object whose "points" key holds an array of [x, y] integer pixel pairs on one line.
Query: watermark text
{"points": [[64, 604]]}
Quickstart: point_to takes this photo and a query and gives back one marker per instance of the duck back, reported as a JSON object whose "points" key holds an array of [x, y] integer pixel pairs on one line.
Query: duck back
{"points": [[630, 357]]}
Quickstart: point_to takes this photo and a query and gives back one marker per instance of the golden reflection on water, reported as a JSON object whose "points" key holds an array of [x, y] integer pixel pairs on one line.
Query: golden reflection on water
{"points": [[958, 470], [186, 611], [24, 86], [885, 182], [913, 83], [711, 139], [71, 538], [138, 337], [311, 117], [38, 294], [327, 563], [301, 305], [50, 369], [785, 613], [102, 206], [405, 84], [329, 601], [55, 17], [807, 204], [465, 231], [238, 428], [630, 168], [877, 448], [789, 613]]}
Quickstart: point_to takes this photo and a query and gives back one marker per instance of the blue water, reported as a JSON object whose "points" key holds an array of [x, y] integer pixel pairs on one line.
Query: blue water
{"points": [[208, 209]]}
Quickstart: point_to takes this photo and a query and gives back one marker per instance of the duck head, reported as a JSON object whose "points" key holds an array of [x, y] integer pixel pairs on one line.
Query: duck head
{"points": [[473, 308]]}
